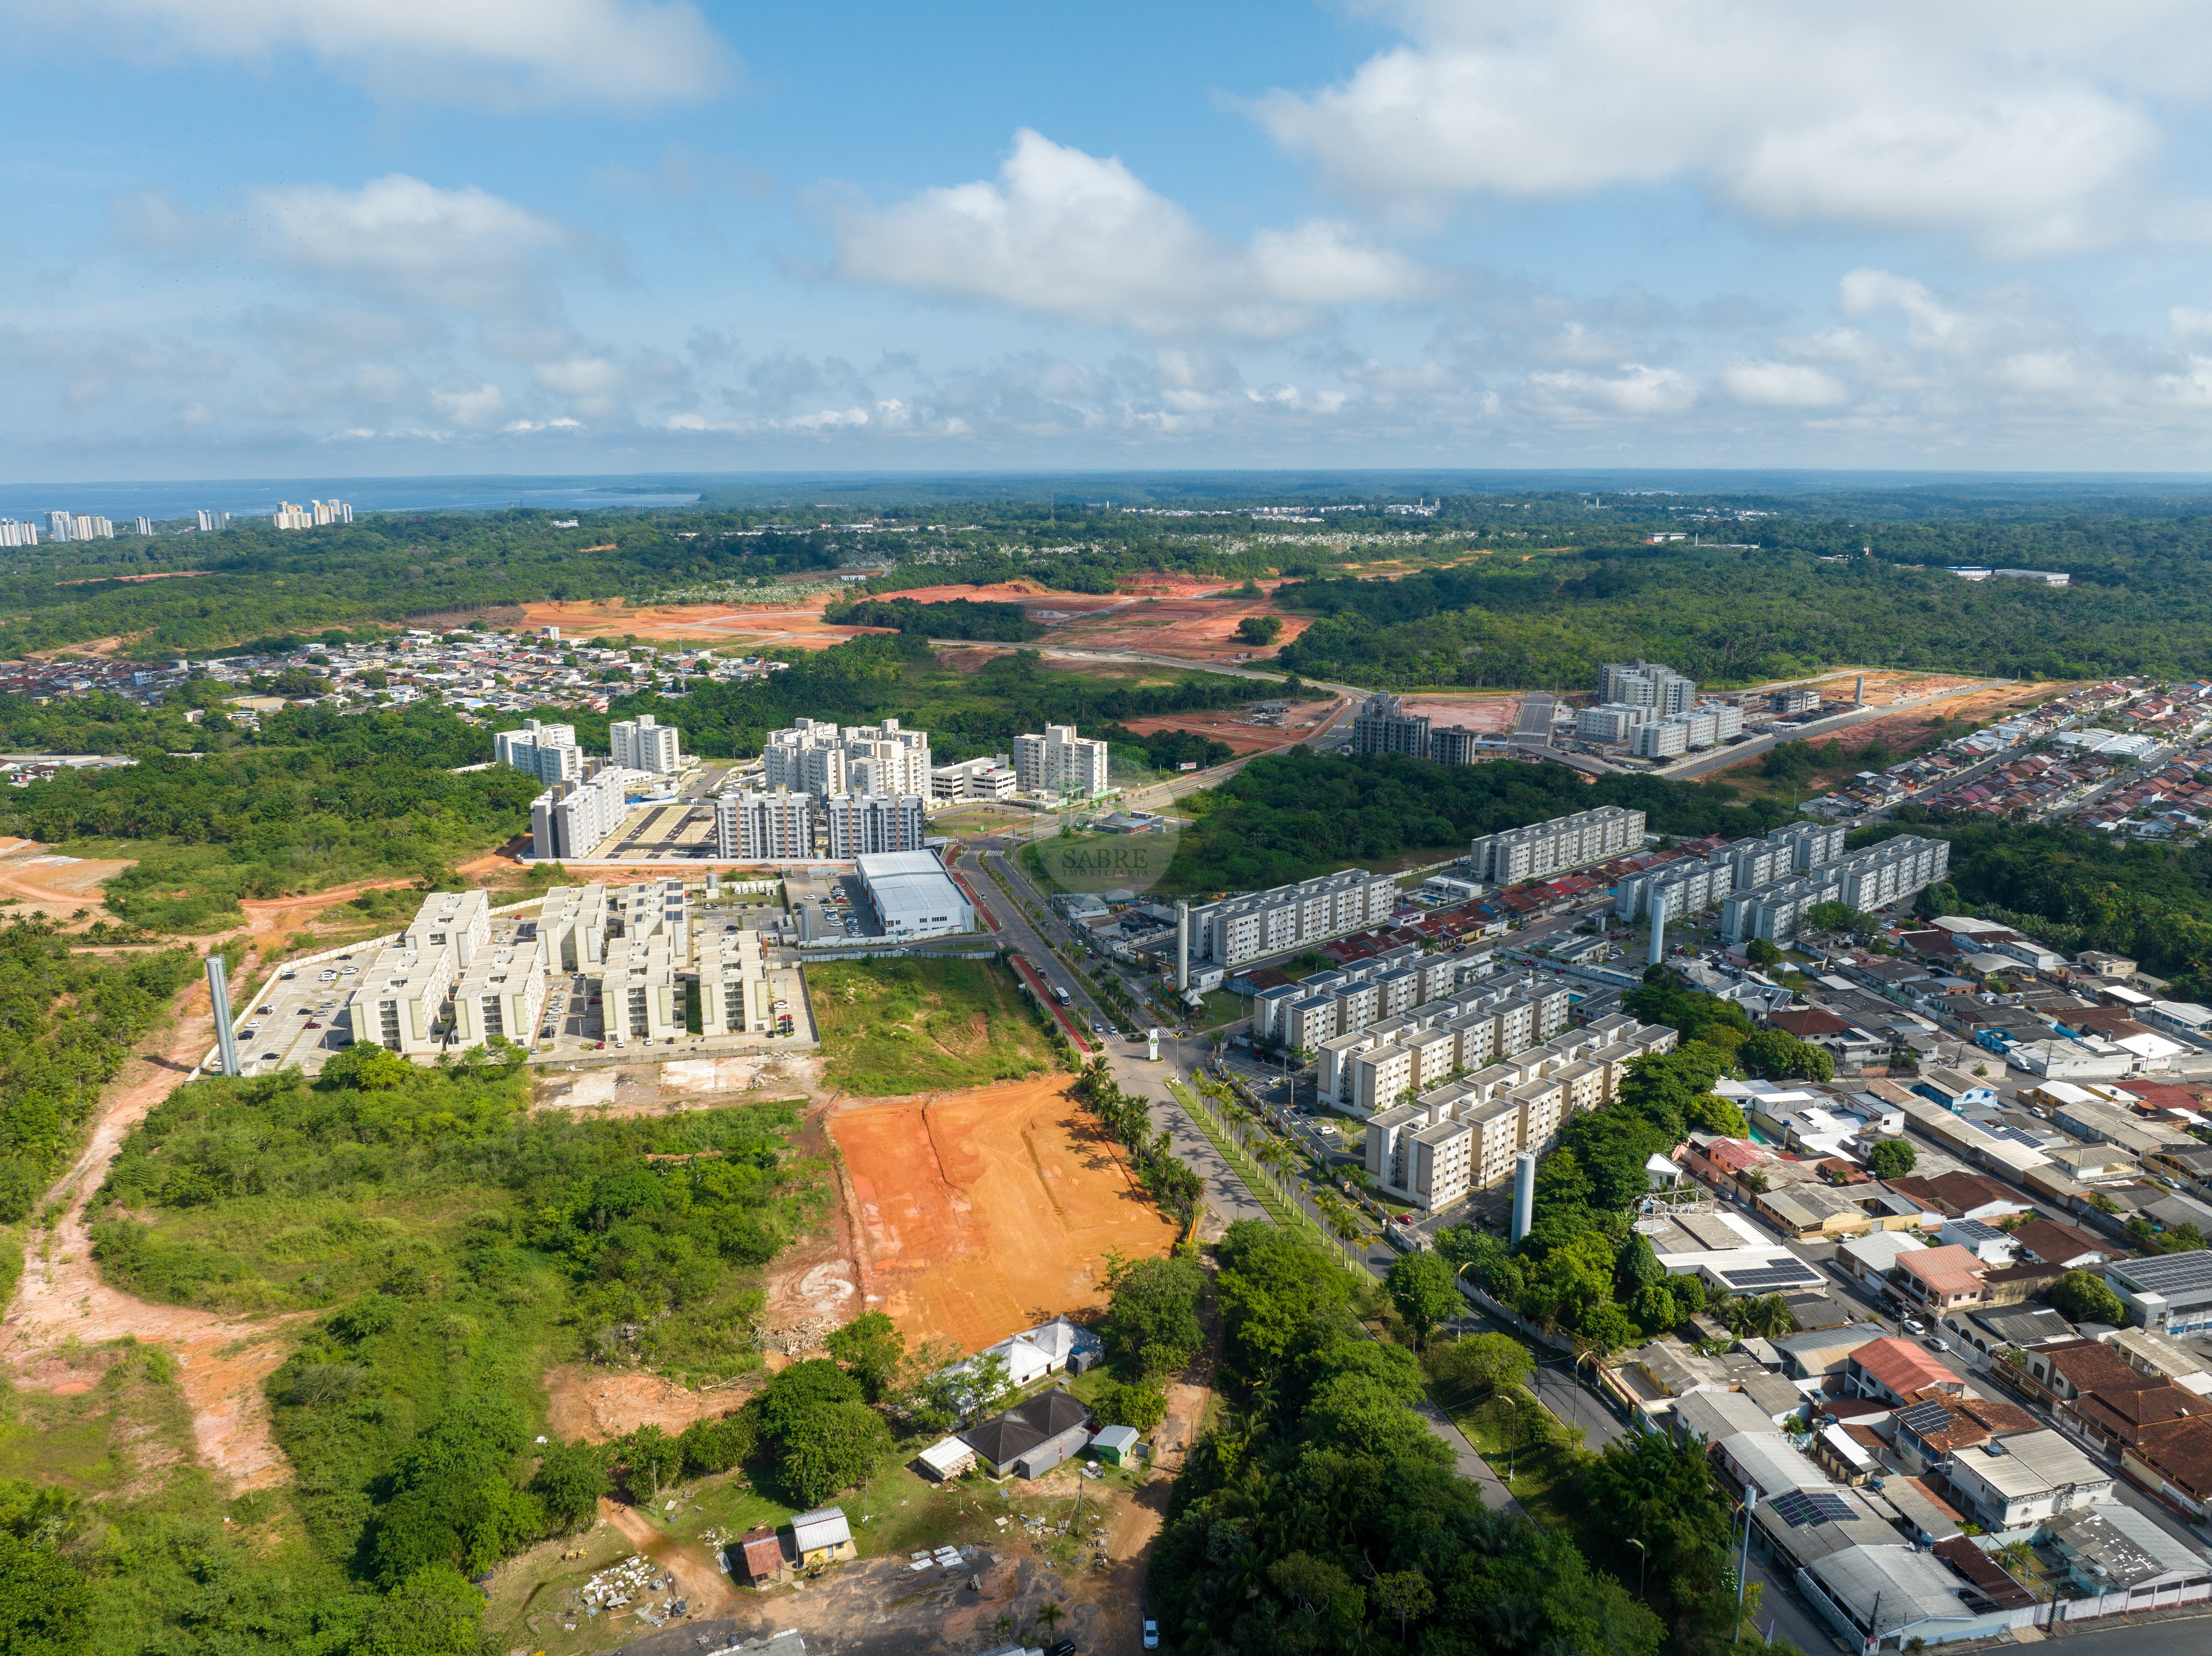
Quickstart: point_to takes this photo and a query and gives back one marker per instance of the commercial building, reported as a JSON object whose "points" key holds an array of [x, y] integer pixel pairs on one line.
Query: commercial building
{"points": [[816, 756], [1646, 685], [645, 744], [2168, 1292], [913, 896], [547, 752], [974, 779], [1236, 929], [867, 824], [1384, 725], [1543, 849], [1060, 762]]}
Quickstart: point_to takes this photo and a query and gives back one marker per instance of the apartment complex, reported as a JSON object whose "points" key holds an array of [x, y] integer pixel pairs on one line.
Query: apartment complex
{"points": [[1461, 1137], [571, 818], [1646, 685], [1377, 1054], [403, 1001], [816, 756], [315, 514], [1060, 762], [974, 779], [1384, 725], [547, 752], [1869, 879], [1702, 727], [1236, 929], [781, 825], [1691, 888], [645, 744], [1543, 849]]}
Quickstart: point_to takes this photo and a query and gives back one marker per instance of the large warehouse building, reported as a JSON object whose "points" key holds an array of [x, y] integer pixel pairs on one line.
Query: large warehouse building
{"points": [[913, 896]]}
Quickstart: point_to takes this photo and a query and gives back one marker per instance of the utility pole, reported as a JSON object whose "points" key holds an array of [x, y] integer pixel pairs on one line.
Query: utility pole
{"points": [[1743, 1569]]}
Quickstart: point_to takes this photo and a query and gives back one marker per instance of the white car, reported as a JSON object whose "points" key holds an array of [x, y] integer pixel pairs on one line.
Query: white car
{"points": [[1152, 1634]]}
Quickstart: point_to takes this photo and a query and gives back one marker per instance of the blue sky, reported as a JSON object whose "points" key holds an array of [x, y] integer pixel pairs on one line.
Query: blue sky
{"points": [[375, 237]]}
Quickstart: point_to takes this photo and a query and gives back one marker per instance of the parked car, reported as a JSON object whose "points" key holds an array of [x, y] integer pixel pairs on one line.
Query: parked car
{"points": [[1913, 1325], [1152, 1634]]}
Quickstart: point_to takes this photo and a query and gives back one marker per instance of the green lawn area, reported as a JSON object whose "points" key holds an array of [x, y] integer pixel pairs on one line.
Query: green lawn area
{"points": [[93, 1442], [1544, 1471], [890, 1027], [1222, 1008]]}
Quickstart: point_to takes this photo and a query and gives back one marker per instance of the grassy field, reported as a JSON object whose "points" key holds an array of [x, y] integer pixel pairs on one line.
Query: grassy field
{"points": [[890, 1027]]}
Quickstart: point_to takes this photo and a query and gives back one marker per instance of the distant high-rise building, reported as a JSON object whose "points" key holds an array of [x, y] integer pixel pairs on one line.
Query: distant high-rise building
{"points": [[58, 526], [15, 534], [547, 752], [85, 527], [1646, 685], [145, 524], [814, 757], [292, 517], [1059, 762], [643, 745], [331, 512], [1384, 726], [211, 522]]}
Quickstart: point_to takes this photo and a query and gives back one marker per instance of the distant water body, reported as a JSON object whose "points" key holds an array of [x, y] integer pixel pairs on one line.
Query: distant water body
{"points": [[245, 497]]}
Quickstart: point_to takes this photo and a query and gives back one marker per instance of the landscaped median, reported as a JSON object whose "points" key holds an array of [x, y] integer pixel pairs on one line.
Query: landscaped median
{"points": [[1275, 1195]]}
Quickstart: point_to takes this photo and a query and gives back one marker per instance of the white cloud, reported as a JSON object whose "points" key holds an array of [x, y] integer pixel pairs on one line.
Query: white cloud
{"points": [[1073, 236], [399, 238], [500, 53], [1782, 386], [474, 409], [542, 425], [1636, 392], [2026, 125]]}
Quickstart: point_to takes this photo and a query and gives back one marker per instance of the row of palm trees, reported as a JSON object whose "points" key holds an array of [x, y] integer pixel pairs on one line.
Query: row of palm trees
{"points": [[1279, 1159]]}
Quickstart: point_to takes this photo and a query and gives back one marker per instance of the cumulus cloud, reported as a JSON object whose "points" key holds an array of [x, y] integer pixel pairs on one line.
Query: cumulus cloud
{"points": [[1070, 234], [2026, 125], [473, 408], [495, 52], [398, 238], [1782, 386]]}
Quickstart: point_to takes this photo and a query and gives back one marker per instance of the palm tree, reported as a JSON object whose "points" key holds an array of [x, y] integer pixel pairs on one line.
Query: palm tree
{"points": [[1051, 1614]]}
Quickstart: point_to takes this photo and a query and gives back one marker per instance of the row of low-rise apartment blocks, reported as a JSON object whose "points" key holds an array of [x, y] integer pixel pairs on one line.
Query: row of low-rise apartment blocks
{"points": [[1462, 1136], [1691, 887], [1236, 929], [1303, 1015], [781, 826], [1866, 880], [410, 1000], [1649, 734], [637, 941], [1372, 1067], [1542, 849], [817, 756]]}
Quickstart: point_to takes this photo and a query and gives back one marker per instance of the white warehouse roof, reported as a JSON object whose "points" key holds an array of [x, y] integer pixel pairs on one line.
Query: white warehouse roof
{"points": [[913, 896]]}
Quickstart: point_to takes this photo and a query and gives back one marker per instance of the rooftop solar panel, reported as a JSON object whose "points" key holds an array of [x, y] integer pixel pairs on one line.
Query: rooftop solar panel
{"points": [[1798, 1507], [1926, 1418]]}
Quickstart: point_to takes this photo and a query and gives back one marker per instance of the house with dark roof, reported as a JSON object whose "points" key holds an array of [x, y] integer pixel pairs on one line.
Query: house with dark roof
{"points": [[1961, 1195], [2061, 1373], [2053, 1242], [2117, 1420], [2174, 1460], [1030, 1438]]}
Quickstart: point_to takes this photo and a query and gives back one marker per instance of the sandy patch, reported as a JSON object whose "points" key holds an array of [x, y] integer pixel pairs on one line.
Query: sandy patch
{"points": [[983, 1212], [1492, 715], [596, 1404], [1192, 628], [1238, 729]]}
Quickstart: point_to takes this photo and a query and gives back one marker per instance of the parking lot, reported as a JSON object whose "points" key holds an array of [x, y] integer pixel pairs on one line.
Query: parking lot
{"points": [[298, 1021]]}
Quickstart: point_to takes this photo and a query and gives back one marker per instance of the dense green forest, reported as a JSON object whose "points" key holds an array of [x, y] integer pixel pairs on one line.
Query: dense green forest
{"points": [[1729, 617], [1293, 815], [960, 618], [314, 799], [53, 1062], [455, 1246], [2075, 890]]}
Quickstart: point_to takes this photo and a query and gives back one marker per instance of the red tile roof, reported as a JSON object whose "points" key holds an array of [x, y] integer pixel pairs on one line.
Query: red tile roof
{"points": [[1902, 1366]]}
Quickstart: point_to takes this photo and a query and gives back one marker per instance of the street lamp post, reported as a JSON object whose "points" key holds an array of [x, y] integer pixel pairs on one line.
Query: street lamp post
{"points": [[1642, 1557]]}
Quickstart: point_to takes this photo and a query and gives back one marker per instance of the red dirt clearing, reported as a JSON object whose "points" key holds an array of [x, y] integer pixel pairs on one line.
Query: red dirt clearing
{"points": [[984, 1212], [1223, 727], [1197, 629], [1493, 715]]}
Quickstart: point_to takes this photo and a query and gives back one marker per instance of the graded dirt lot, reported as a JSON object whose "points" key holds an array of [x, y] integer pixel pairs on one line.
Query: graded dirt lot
{"points": [[735, 624], [1193, 630], [1238, 729], [1492, 715], [981, 1213]]}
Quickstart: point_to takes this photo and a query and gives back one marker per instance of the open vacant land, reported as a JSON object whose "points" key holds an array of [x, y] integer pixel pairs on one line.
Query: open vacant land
{"points": [[1902, 733], [1238, 728], [892, 1028], [984, 1213]]}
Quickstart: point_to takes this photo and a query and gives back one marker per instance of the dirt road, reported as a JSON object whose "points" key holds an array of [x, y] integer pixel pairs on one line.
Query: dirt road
{"points": [[221, 1360]]}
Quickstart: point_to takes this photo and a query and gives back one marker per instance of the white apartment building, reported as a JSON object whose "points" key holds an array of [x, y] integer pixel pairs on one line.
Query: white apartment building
{"points": [[294, 516], [644, 744], [865, 825], [1462, 1136], [778, 826], [1357, 1070], [1543, 849], [1699, 728], [1646, 685], [1691, 888], [401, 1000], [1060, 762], [816, 756], [15, 534], [569, 819], [1384, 725], [573, 925], [1869, 879], [735, 996], [145, 526], [1236, 929], [214, 522], [547, 752], [501, 996], [1612, 721], [974, 779], [640, 995]]}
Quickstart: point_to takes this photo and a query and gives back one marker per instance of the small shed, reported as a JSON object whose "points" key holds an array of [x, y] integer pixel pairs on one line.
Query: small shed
{"points": [[1116, 1445], [759, 1555], [821, 1536], [946, 1458]]}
